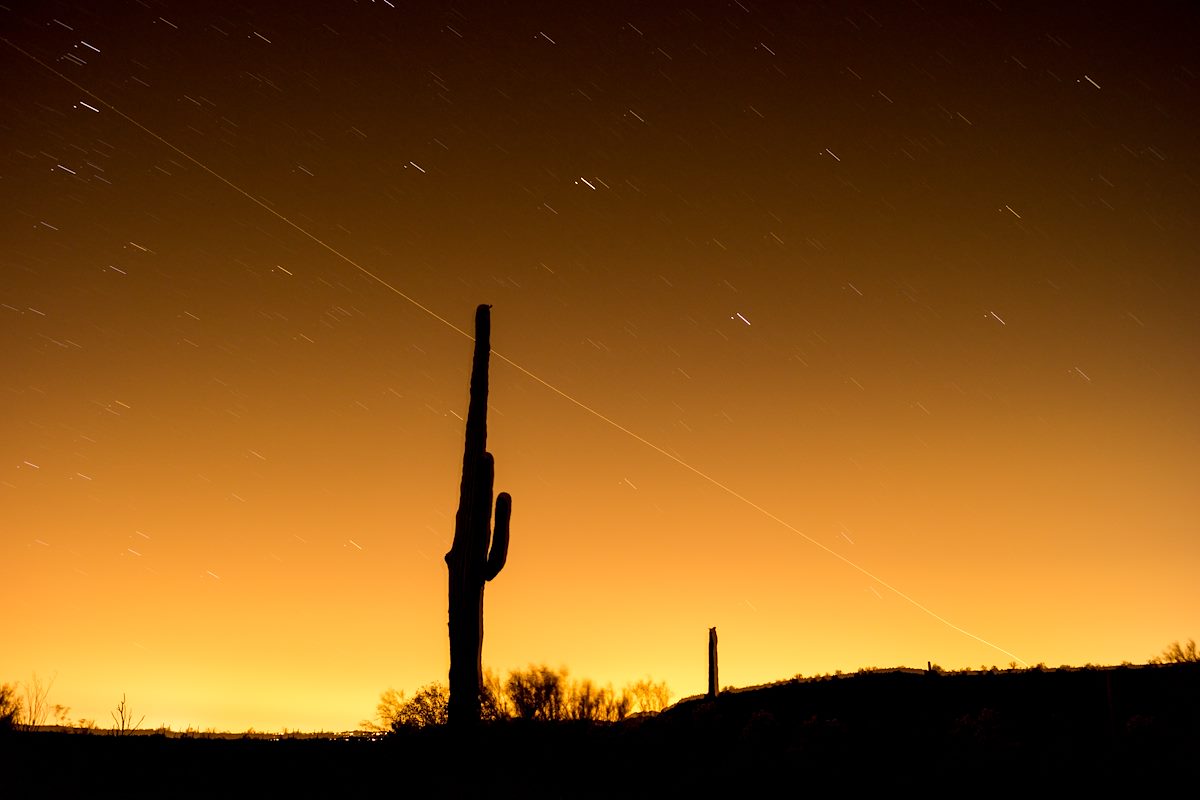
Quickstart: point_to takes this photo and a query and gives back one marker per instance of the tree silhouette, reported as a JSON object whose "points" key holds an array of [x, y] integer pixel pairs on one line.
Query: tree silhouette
{"points": [[586, 701], [537, 693], [470, 561], [123, 718], [10, 708], [386, 713], [425, 709], [36, 707], [649, 697], [495, 702], [1177, 653]]}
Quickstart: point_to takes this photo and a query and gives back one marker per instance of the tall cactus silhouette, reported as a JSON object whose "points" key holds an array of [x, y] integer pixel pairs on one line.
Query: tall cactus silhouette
{"points": [[470, 561], [713, 688]]}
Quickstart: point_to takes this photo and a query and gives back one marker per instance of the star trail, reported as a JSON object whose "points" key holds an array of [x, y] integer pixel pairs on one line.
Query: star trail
{"points": [[846, 328]]}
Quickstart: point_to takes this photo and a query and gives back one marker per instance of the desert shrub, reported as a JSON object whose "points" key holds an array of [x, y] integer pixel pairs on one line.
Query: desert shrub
{"points": [[614, 707], [10, 707], [122, 715], [1178, 653], [537, 693], [36, 707], [649, 697], [494, 702], [586, 701], [425, 709]]}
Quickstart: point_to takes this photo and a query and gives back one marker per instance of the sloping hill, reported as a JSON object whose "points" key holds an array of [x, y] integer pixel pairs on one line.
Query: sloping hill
{"points": [[1134, 729]]}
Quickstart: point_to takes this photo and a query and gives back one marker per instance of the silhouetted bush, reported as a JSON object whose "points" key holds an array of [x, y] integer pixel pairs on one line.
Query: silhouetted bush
{"points": [[648, 697], [36, 708], [1176, 653], [538, 693], [123, 718], [586, 701], [494, 703], [426, 708], [10, 707]]}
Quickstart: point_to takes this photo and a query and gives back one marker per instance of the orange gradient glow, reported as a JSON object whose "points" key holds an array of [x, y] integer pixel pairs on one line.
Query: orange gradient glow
{"points": [[779, 297]]}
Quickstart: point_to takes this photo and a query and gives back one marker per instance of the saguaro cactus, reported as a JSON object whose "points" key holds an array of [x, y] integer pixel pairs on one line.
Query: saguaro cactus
{"points": [[470, 561], [713, 688]]}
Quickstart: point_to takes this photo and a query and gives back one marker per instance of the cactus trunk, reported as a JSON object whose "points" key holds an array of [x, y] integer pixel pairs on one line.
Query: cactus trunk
{"points": [[713, 688], [471, 561]]}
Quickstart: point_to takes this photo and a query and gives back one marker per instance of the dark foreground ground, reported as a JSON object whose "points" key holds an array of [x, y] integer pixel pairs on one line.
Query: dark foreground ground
{"points": [[1130, 730]]}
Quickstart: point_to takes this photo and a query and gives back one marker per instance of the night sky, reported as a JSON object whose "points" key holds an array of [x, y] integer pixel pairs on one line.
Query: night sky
{"points": [[864, 332]]}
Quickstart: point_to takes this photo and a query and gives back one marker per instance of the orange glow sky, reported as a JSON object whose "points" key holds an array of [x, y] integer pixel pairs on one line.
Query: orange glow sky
{"points": [[920, 282]]}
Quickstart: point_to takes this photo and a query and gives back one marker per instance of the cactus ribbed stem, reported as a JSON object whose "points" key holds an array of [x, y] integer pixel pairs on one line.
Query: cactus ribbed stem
{"points": [[713, 688], [471, 562]]}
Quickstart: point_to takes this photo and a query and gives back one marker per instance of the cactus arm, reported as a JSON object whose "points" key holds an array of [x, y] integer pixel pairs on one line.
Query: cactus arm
{"points": [[499, 554]]}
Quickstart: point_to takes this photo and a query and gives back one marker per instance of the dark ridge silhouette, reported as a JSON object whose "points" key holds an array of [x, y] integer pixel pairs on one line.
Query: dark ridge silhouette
{"points": [[1092, 730], [469, 561], [713, 687]]}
